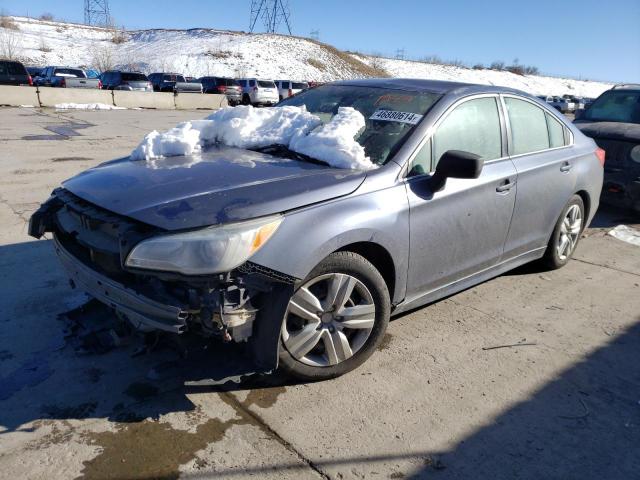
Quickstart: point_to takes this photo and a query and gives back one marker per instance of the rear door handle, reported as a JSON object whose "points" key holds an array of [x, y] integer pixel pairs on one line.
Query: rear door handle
{"points": [[505, 186], [566, 166]]}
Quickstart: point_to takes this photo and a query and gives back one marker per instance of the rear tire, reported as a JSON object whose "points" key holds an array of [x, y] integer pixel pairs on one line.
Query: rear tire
{"points": [[319, 346], [566, 234], [246, 100]]}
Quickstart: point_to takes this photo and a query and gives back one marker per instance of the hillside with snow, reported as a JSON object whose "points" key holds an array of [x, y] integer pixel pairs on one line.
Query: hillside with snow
{"points": [[199, 52]]}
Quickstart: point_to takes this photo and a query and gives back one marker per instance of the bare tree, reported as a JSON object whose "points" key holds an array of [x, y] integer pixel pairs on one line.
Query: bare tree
{"points": [[9, 45], [102, 57]]}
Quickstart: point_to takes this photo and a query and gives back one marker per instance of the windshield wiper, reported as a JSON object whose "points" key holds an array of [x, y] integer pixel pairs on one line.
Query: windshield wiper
{"points": [[281, 150]]}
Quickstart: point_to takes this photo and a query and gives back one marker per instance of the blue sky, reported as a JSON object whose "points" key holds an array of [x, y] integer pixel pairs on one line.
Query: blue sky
{"points": [[590, 39]]}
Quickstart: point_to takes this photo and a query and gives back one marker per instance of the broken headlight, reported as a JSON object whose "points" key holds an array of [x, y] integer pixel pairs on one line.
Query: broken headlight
{"points": [[210, 250]]}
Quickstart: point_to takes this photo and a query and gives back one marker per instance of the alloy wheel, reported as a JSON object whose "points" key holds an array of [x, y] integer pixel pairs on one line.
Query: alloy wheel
{"points": [[328, 320], [569, 232]]}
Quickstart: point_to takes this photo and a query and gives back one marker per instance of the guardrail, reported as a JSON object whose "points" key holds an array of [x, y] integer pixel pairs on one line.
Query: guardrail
{"points": [[50, 97]]}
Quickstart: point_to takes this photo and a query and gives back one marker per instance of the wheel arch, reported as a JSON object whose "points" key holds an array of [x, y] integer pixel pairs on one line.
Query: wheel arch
{"points": [[586, 200], [379, 257]]}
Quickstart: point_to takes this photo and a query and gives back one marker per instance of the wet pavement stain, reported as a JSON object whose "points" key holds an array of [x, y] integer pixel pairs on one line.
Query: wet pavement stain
{"points": [[141, 391], [263, 397], [150, 449], [386, 341]]}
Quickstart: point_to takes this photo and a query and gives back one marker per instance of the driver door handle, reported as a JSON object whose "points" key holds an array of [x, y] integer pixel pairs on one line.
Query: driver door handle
{"points": [[566, 166], [505, 186]]}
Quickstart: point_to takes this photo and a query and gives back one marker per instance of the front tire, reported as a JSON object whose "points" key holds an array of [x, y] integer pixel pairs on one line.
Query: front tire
{"points": [[566, 234], [335, 320]]}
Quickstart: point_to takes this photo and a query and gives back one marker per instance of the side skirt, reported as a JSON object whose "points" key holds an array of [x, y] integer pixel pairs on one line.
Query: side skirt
{"points": [[470, 281]]}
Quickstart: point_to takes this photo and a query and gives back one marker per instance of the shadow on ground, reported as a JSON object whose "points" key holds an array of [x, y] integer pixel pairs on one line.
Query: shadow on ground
{"points": [[64, 363]]}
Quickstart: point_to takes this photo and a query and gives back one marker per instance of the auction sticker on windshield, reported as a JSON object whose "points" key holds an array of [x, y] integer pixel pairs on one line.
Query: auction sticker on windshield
{"points": [[392, 116]]}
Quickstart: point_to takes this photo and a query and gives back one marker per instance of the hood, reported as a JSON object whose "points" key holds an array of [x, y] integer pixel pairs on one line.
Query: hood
{"points": [[220, 185], [628, 132]]}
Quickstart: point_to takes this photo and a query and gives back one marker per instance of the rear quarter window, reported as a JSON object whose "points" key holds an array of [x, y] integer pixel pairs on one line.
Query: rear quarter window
{"points": [[15, 68], [557, 136]]}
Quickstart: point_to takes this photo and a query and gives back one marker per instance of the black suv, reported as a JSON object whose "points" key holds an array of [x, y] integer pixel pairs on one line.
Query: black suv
{"points": [[613, 121], [14, 73], [227, 86]]}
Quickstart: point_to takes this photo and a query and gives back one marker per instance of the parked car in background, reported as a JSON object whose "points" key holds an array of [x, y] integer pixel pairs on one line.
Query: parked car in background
{"points": [[34, 72], [562, 104], [227, 86], [66, 77], [304, 262], [613, 121], [173, 82], [258, 92], [288, 88], [578, 103], [14, 73], [121, 80]]}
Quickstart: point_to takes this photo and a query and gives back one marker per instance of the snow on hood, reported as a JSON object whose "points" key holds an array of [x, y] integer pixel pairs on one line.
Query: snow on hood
{"points": [[248, 127]]}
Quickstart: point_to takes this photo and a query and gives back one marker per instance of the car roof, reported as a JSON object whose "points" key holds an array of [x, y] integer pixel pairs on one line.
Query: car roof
{"points": [[428, 86]]}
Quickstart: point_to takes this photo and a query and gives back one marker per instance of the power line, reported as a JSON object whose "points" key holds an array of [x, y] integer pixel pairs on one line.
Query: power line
{"points": [[272, 12]]}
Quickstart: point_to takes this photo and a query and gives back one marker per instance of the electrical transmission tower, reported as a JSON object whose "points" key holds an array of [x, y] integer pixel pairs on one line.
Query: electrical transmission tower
{"points": [[272, 13], [96, 12], [400, 54]]}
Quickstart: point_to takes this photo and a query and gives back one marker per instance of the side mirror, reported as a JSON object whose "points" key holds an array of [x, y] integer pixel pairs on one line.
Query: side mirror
{"points": [[578, 114], [456, 164]]}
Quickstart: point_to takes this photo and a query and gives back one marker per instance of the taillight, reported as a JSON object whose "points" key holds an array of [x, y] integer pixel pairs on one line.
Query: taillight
{"points": [[600, 153], [255, 89], [63, 82], [290, 93], [30, 80], [222, 88], [100, 84]]}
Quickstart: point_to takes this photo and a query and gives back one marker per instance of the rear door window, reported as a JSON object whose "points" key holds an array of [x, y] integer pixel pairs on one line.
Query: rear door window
{"points": [[528, 122], [473, 126]]}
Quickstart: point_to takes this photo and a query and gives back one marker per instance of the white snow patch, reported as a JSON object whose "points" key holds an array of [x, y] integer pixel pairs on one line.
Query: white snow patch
{"points": [[86, 106], [248, 127], [334, 142], [626, 234]]}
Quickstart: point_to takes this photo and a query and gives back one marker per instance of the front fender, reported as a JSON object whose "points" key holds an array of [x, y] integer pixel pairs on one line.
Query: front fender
{"points": [[308, 235]]}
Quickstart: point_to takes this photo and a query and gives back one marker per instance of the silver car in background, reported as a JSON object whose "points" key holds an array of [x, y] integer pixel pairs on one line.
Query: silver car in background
{"points": [[258, 92], [305, 262]]}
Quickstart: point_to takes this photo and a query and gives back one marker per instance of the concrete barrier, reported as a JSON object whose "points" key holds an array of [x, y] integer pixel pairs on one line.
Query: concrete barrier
{"points": [[50, 97], [194, 101], [127, 99], [16, 96]]}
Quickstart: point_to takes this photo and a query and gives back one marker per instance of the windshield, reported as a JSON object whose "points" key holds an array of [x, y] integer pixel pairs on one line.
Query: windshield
{"points": [[133, 77], [390, 115], [69, 72], [615, 106], [173, 78]]}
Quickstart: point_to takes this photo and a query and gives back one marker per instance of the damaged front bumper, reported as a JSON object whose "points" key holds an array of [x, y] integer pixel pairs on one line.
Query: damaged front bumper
{"points": [[142, 312], [246, 305]]}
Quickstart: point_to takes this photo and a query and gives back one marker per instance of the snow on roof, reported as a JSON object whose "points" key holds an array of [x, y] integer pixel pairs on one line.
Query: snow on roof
{"points": [[248, 127]]}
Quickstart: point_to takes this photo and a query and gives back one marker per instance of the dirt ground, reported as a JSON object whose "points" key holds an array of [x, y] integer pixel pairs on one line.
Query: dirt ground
{"points": [[436, 401]]}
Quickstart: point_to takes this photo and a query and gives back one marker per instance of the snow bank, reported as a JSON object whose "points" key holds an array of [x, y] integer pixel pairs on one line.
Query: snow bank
{"points": [[86, 106], [248, 127], [626, 234]]}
